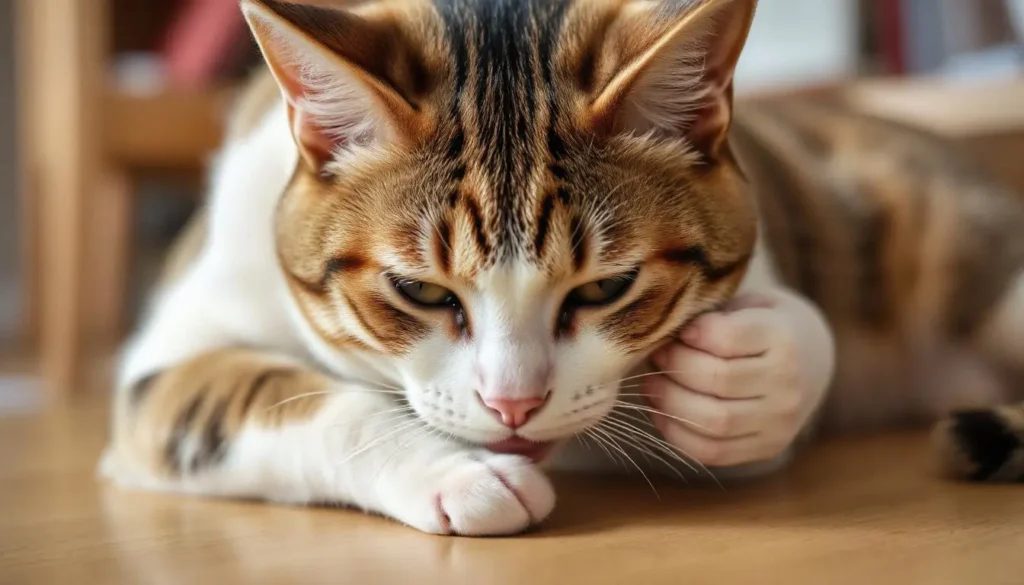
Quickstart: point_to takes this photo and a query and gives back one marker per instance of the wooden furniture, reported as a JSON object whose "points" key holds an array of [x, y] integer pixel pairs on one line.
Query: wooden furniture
{"points": [[82, 144], [849, 512]]}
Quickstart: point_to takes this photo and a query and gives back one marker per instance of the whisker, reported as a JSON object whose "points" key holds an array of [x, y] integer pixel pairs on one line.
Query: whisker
{"points": [[398, 449], [378, 440], [642, 408], [370, 384], [374, 391], [300, 397], [615, 444], [638, 376], [580, 423], [584, 444], [647, 450], [384, 425], [401, 409], [590, 435], [385, 390], [667, 447]]}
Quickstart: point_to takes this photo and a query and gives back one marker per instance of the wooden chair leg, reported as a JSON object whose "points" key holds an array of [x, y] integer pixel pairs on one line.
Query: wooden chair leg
{"points": [[62, 60]]}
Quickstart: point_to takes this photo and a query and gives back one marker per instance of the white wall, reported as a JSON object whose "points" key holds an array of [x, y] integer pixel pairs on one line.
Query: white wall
{"points": [[799, 42]]}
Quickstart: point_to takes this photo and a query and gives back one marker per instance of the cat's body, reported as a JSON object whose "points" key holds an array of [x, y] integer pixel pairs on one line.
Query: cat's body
{"points": [[278, 363], [913, 253]]}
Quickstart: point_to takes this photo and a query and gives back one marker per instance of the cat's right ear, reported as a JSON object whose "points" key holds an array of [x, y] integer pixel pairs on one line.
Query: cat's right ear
{"points": [[667, 67], [333, 67]]}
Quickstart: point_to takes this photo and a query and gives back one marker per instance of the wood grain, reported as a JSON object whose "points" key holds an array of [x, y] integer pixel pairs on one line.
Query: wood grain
{"points": [[853, 511]]}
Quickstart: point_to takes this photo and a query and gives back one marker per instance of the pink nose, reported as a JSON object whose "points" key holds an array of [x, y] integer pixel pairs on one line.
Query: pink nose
{"points": [[513, 413]]}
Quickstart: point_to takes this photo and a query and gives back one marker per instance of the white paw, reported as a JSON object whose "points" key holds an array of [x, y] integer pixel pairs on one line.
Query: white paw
{"points": [[477, 493]]}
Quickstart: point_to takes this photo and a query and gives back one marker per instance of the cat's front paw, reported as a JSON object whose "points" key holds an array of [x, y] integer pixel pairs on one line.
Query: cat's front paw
{"points": [[477, 493]]}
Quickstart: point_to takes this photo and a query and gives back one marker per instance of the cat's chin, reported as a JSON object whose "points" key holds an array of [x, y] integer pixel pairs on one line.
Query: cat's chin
{"points": [[525, 447]]}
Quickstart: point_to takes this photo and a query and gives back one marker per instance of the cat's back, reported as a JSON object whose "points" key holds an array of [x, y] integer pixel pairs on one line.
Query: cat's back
{"points": [[886, 227]]}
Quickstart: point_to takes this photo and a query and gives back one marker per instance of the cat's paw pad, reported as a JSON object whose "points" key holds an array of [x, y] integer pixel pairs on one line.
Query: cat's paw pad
{"points": [[484, 494]]}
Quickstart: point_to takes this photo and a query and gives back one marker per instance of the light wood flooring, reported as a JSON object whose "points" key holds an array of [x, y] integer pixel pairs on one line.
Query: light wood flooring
{"points": [[854, 511]]}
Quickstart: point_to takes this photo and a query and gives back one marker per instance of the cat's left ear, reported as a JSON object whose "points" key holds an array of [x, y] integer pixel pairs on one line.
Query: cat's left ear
{"points": [[347, 75], [669, 68]]}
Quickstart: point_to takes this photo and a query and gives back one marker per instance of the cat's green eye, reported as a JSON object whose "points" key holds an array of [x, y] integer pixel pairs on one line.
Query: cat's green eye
{"points": [[425, 293], [601, 292]]}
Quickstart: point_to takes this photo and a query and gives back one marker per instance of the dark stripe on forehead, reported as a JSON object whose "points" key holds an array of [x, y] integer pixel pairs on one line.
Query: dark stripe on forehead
{"points": [[579, 239], [502, 51], [455, 147], [444, 246], [476, 223], [547, 208]]}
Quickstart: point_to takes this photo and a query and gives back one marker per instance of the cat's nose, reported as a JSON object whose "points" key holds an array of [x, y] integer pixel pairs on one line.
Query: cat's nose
{"points": [[513, 413]]}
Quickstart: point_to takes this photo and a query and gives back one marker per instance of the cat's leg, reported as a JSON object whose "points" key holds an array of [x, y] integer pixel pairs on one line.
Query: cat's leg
{"points": [[987, 443], [239, 423]]}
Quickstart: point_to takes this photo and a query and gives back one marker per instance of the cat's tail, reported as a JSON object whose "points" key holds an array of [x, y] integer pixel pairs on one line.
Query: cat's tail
{"points": [[983, 445]]}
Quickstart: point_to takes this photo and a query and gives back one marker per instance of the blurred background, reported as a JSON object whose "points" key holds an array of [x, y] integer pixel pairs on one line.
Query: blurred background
{"points": [[109, 110]]}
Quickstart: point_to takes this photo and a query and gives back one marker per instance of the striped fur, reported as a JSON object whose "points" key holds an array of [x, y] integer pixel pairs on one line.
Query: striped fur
{"points": [[909, 249], [513, 152]]}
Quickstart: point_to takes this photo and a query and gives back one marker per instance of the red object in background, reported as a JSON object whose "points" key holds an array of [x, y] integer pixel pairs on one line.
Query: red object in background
{"points": [[202, 41], [891, 36]]}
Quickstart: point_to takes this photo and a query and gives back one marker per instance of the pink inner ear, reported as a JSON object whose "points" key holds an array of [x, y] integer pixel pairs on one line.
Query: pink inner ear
{"points": [[710, 125], [315, 144]]}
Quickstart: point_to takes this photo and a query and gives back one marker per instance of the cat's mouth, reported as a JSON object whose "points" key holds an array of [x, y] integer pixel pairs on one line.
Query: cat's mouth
{"points": [[519, 446]]}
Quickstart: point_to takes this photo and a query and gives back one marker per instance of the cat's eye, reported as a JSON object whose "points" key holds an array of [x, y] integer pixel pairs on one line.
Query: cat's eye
{"points": [[425, 293], [602, 292]]}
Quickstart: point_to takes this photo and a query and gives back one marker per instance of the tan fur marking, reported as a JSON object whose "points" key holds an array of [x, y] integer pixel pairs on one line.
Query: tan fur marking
{"points": [[189, 415]]}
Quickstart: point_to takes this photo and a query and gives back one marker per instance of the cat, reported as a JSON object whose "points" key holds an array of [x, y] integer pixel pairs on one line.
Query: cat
{"points": [[442, 235]]}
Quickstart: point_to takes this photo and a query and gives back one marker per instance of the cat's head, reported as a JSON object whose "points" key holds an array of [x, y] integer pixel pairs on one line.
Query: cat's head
{"points": [[510, 202]]}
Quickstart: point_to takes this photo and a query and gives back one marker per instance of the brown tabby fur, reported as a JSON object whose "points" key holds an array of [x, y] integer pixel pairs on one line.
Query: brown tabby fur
{"points": [[894, 235]]}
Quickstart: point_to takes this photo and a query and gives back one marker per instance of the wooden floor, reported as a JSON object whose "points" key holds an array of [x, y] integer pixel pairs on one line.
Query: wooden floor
{"points": [[865, 511]]}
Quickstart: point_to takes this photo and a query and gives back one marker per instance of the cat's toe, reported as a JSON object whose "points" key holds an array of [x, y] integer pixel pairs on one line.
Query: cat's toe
{"points": [[469, 493], [494, 495]]}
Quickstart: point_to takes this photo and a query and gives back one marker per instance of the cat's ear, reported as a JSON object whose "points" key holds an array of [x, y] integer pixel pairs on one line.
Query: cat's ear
{"points": [[669, 69], [335, 69]]}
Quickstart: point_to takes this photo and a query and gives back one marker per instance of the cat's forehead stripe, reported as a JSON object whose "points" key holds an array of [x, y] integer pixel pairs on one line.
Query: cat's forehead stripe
{"points": [[504, 99]]}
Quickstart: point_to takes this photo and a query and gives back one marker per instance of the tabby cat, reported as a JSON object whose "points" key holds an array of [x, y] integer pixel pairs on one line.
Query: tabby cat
{"points": [[443, 233]]}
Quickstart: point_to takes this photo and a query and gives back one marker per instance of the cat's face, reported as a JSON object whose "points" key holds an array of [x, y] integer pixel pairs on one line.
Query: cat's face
{"points": [[497, 215]]}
